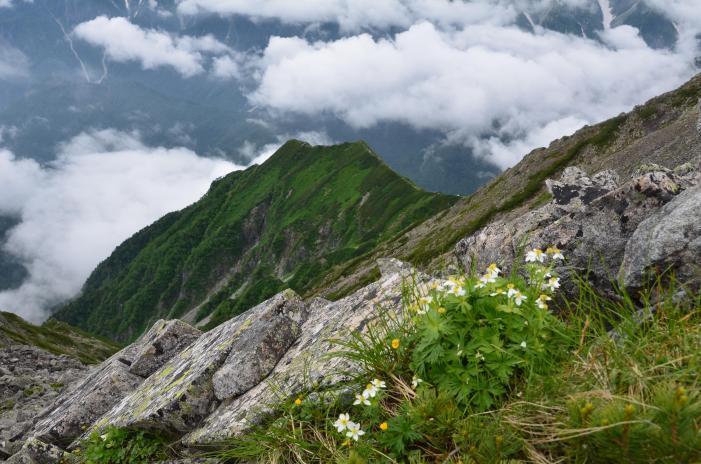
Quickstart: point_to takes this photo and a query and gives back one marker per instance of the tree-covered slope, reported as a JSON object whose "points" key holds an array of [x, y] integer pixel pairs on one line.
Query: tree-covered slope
{"points": [[285, 223]]}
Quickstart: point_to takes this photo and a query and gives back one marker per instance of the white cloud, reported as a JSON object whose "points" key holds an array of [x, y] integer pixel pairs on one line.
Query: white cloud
{"points": [[13, 63], [103, 187], [354, 15], [225, 67], [124, 41], [11, 3], [468, 82], [361, 14]]}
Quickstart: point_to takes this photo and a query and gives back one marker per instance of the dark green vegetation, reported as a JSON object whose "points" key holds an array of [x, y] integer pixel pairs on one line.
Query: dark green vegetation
{"points": [[123, 446], [572, 391], [285, 223], [55, 337]]}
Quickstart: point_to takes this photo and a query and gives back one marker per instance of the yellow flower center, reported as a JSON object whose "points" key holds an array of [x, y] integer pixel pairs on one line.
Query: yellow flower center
{"points": [[384, 426], [395, 343]]}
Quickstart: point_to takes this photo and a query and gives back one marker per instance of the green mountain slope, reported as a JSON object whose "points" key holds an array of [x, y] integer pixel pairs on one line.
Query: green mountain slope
{"points": [[286, 223], [55, 337]]}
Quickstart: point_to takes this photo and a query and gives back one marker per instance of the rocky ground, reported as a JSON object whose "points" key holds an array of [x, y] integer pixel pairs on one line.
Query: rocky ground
{"points": [[30, 380]]}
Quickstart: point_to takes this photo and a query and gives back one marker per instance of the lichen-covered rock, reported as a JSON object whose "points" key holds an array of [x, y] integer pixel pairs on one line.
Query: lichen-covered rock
{"points": [[593, 232], [177, 397], [258, 349], [669, 240], [106, 385], [30, 380], [162, 342], [37, 452], [78, 409], [575, 189], [307, 364]]}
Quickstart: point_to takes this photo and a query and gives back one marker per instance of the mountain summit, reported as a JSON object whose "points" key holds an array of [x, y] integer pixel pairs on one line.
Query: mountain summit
{"points": [[284, 223]]}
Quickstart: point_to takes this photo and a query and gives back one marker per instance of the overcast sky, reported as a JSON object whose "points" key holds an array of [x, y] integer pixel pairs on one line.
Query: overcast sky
{"points": [[460, 68]]}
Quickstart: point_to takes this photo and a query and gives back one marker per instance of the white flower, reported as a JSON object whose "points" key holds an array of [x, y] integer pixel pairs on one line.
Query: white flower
{"points": [[555, 253], [498, 291], [370, 391], [354, 431], [511, 290], [362, 399], [523, 344], [454, 286], [342, 423], [493, 270], [415, 381], [535, 255], [552, 284], [519, 298], [424, 303], [542, 301], [377, 383], [479, 356]]}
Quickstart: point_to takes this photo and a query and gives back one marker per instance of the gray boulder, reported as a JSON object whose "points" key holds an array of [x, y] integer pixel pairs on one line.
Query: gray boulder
{"points": [[177, 397], [37, 452], [669, 240], [167, 339], [73, 412], [257, 350], [309, 362]]}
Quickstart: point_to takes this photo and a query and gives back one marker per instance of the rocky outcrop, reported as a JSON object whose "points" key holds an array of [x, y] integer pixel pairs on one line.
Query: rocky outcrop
{"points": [[310, 363], [111, 381], [30, 380], [225, 381], [592, 219], [181, 394], [669, 240]]}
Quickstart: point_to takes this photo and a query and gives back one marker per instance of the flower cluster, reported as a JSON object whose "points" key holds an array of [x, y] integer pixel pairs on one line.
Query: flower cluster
{"points": [[475, 335], [352, 429], [344, 424], [370, 391]]}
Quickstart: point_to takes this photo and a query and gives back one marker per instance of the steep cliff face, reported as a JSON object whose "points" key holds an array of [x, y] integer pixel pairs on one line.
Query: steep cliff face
{"points": [[284, 224]]}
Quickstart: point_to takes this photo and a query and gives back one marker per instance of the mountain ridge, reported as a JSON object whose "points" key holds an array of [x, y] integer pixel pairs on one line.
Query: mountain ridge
{"points": [[283, 223]]}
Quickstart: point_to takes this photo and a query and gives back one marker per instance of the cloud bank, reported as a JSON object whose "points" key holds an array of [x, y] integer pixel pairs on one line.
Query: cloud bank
{"points": [[123, 41], [104, 186], [355, 15]]}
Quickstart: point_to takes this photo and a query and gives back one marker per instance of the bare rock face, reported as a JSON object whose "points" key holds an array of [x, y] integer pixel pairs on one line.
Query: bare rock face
{"points": [[30, 380], [178, 396], [107, 384], [257, 350], [669, 240], [167, 339], [588, 219], [307, 363]]}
